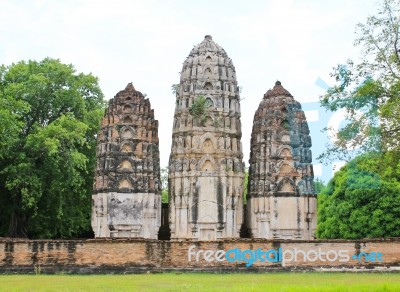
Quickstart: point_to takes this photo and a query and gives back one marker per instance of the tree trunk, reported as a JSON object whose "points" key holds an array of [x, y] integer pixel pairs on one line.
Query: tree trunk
{"points": [[18, 225]]}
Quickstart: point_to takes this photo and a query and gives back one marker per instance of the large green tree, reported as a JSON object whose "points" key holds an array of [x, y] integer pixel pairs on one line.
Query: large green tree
{"points": [[49, 117], [362, 200], [368, 91]]}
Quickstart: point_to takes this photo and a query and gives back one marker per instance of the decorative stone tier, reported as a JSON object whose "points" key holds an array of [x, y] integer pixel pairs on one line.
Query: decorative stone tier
{"points": [[205, 166], [281, 201], [126, 199]]}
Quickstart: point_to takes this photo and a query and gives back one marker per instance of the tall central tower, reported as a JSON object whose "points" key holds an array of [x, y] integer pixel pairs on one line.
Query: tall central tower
{"points": [[205, 166]]}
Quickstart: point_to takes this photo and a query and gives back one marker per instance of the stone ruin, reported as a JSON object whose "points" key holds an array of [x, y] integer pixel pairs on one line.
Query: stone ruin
{"points": [[127, 189], [206, 170], [205, 166], [281, 201]]}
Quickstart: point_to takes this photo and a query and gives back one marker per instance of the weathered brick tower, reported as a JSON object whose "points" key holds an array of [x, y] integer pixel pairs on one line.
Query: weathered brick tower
{"points": [[281, 201], [126, 199], [205, 167]]}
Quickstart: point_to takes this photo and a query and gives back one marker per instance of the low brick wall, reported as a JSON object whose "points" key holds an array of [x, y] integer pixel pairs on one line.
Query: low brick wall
{"points": [[141, 256]]}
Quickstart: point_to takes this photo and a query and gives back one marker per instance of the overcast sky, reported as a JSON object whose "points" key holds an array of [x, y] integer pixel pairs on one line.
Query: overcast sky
{"points": [[146, 42]]}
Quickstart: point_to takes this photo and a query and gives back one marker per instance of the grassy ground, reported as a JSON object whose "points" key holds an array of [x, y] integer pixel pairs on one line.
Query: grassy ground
{"points": [[204, 282]]}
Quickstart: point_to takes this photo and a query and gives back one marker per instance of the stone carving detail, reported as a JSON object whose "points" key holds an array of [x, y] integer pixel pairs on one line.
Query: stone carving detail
{"points": [[127, 193], [281, 201], [206, 193]]}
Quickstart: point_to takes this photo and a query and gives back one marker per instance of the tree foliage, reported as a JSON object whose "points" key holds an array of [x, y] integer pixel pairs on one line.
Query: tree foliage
{"points": [[245, 184], [319, 185], [368, 92], [199, 108], [49, 118], [164, 184], [175, 89], [362, 200]]}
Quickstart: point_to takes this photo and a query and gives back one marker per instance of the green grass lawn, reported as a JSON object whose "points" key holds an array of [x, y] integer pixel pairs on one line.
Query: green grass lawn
{"points": [[204, 282]]}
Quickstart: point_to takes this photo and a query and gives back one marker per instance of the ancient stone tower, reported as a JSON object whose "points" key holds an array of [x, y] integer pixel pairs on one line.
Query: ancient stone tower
{"points": [[281, 202], [205, 167], [126, 199]]}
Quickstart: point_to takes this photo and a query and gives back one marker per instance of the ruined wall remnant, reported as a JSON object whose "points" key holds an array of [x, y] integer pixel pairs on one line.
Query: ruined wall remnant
{"points": [[103, 256], [281, 201], [205, 167], [126, 199]]}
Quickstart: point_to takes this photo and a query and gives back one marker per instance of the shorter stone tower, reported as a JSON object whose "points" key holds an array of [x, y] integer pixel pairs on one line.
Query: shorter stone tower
{"points": [[127, 197], [281, 202]]}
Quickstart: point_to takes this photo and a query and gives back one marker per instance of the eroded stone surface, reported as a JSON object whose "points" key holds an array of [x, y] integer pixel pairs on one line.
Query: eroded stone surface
{"points": [[205, 167], [126, 199], [281, 201]]}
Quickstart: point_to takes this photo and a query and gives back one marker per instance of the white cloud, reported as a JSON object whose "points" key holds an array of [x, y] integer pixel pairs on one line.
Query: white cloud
{"points": [[312, 115], [317, 169]]}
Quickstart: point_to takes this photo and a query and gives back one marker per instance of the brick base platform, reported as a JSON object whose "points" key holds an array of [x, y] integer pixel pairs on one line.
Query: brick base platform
{"points": [[97, 256]]}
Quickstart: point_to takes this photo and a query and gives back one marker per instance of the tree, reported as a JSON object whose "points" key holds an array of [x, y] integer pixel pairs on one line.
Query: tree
{"points": [[319, 185], [164, 184], [245, 184], [368, 92], [49, 121], [362, 200]]}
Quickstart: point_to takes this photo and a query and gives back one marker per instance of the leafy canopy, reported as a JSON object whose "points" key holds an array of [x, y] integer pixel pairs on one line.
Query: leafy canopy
{"points": [[368, 92], [362, 200], [49, 118]]}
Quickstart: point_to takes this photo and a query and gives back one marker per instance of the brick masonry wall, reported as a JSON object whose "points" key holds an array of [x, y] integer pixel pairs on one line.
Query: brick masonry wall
{"points": [[139, 256]]}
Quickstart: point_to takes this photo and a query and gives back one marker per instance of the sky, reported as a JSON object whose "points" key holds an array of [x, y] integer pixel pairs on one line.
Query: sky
{"points": [[146, 42]]}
